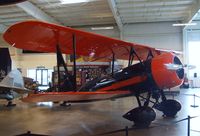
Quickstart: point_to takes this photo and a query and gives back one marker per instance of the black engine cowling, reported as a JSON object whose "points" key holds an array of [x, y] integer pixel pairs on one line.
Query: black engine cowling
{"points": [[141, 116]]}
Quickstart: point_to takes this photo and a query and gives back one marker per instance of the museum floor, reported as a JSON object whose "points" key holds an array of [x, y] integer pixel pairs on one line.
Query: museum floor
{"points": [[94, 118]]}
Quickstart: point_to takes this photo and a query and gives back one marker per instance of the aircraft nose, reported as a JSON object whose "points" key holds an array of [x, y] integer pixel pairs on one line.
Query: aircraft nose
{"points": [[180, 71], [167, 71]]}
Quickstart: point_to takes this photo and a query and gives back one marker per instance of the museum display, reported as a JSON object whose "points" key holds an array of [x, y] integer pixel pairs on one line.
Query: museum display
{"points": [[155, 71]]}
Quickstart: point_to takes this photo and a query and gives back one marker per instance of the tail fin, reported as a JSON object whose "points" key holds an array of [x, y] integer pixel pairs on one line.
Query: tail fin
{"points": [[14, 81]]}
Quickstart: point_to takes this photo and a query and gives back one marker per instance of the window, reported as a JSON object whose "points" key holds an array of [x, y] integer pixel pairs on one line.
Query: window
{"points": [[42, 75], [194, 55]]}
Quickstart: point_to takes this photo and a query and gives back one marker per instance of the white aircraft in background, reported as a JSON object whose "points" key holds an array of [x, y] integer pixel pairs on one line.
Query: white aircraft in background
{"points": [[12, 86]]}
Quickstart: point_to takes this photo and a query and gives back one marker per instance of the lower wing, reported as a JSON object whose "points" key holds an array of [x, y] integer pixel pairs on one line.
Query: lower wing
{"points": [[75, 96]]}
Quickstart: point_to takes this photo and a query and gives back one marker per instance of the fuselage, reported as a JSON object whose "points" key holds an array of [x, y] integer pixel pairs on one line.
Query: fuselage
{"points": [[151, 74]]}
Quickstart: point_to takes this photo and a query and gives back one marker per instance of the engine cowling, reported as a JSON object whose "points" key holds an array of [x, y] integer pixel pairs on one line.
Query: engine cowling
{"points": [[166, 78]]}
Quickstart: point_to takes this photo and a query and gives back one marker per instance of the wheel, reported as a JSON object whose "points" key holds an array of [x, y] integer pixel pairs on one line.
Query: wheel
{"points": [[10, 104], [141, 116], [170, 107], [65, 104]]}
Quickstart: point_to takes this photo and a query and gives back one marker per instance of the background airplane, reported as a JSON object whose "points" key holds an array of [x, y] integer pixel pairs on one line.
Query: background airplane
{"points": [[12, 84], [150, 75]]}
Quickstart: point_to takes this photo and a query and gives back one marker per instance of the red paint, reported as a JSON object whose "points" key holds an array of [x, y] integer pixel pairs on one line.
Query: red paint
{"points": [[163, 77], [43, 37]]}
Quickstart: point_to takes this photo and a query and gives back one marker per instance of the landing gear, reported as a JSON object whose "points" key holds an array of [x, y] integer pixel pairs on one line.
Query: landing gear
{"points": [[65, 104], [169, 107], [10, 104], [141, 116]]}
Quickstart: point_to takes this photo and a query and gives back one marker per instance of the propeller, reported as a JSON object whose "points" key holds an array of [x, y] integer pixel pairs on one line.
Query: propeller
{"points": [[172, 66]]}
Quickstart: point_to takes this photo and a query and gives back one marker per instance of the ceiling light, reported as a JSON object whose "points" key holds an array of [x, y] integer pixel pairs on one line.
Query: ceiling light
{"points": [[72, 1], [185, 24], [102, 28]]}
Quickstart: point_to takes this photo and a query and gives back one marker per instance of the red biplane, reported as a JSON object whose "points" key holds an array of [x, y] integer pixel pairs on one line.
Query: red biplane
{"points": [[151, 74]]}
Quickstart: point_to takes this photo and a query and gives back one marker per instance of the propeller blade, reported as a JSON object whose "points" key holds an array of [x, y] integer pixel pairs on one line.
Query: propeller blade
{"points": [[190, 66], [171, 66]]}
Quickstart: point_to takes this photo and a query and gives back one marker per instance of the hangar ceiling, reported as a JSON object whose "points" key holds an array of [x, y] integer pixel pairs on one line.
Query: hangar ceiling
{"points": [[99, 12], [195, 20]]}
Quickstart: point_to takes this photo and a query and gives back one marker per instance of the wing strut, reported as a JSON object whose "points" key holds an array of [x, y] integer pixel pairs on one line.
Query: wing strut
{"points": [[58, 66], [131, 56], [74, 61], [113, 63], [61, 62], [150, 55]]}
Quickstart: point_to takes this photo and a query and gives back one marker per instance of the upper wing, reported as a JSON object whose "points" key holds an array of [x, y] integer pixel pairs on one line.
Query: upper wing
{"points": [[43, 37]]}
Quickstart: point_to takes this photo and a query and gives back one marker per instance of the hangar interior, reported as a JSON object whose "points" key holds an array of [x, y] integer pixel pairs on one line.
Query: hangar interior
{"points": [[170, 25]]}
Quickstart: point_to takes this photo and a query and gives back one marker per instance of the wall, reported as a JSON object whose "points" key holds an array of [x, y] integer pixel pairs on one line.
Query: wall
{"points": [[26, 62], [193, 55], [2, 42], [193, 35], [158, 35]]}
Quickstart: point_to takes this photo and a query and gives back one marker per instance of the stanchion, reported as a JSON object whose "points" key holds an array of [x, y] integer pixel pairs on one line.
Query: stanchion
{"points": [[194, 105], [126, 128], [188, 126]]}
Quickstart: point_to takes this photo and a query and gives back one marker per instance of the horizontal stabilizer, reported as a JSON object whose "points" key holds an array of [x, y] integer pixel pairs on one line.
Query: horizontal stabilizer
{"points": [[14, 81]]}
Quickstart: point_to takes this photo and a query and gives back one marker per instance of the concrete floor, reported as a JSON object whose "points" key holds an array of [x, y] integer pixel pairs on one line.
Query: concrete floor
{"points": [[94, 118]]}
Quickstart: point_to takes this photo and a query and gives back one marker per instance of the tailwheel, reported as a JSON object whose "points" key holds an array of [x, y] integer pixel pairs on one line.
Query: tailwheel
{"points": [[141, 116], [169, 107], [10, 104], [65, 104]]}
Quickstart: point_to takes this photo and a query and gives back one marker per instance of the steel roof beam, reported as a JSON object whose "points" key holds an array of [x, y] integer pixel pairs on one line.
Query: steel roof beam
{"points": [[195, 10], [151, 5], [116, 15], [36, 12], [146, 14], [149, 20], [154, 9], [3, 28]]}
